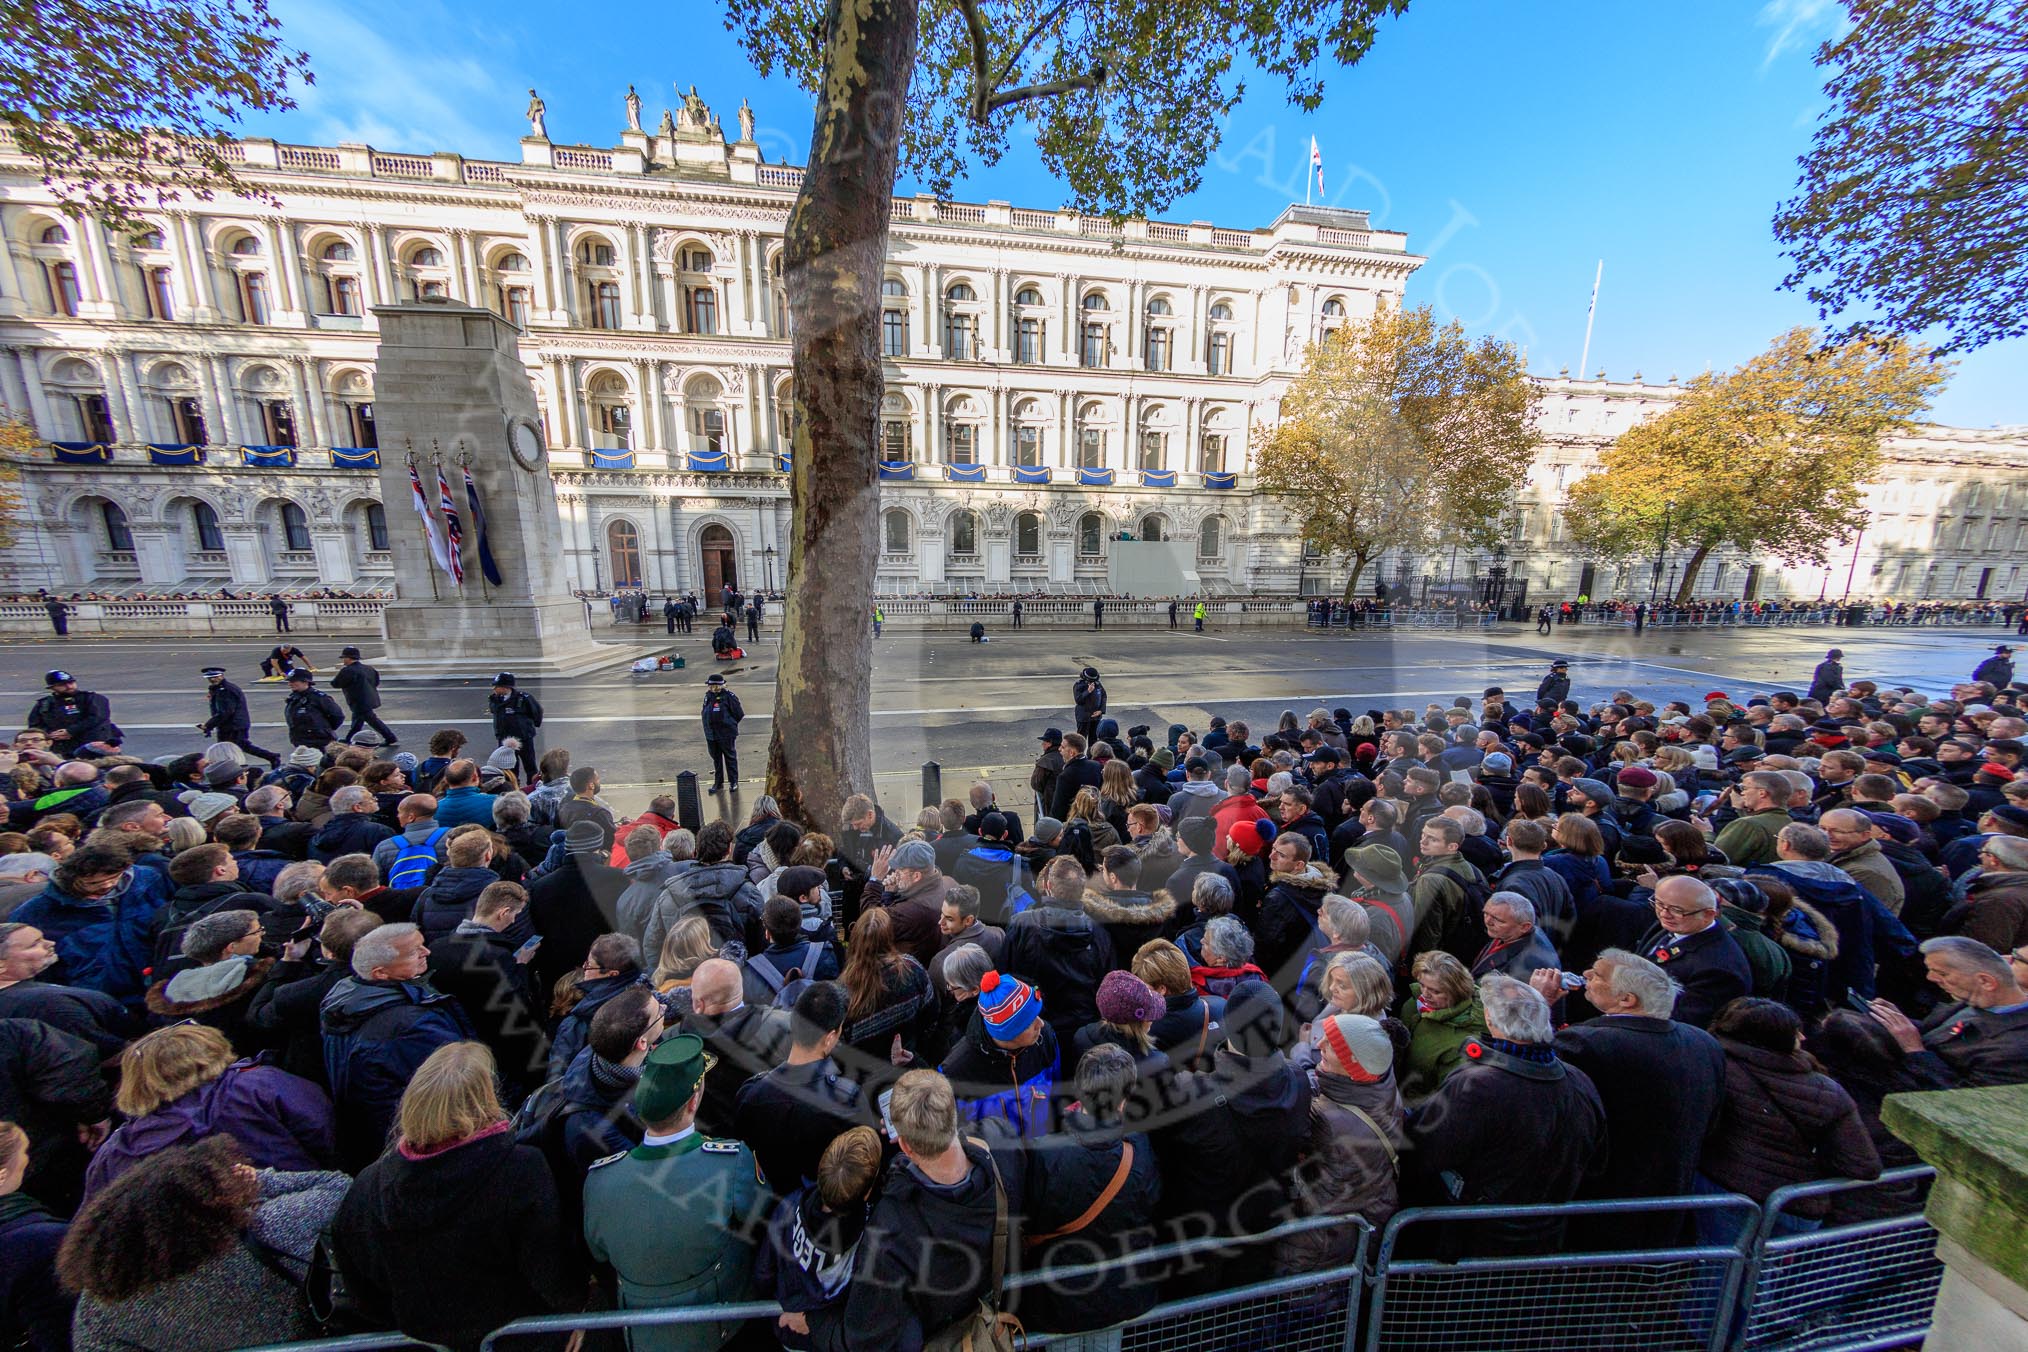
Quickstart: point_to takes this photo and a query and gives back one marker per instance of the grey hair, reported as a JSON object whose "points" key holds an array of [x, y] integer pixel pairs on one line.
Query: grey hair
{"points": [[265, 797], [510, 809], [1345, 918], [1281, 781], [2011, 851], [378, 947], [28, 861], [1514, 1011], [1230, 940], [680, 843], [350, 798], [1517, 905], [966, 966], [1372, 988], [1238, 779], [1653, 989], [209, 935], [1969, 956], [296, 879], [1211, 893], [1806, 840], [1473, 820]]}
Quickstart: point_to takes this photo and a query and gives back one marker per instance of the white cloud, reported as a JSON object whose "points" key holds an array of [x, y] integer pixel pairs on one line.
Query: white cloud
{"points": [[405, 94], [1799, 26]]}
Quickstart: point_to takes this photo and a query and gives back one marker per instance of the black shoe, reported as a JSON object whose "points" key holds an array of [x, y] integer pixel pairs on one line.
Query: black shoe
{"points": [[716, 788]]}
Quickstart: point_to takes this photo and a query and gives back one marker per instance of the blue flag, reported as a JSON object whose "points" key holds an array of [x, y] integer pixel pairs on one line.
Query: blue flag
{"points": [[490, 569]]}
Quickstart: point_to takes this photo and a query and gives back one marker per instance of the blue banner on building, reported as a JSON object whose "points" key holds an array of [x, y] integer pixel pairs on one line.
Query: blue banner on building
{"points": [[1095, 478], [355, 457], [81, 452], [897, 469], [701, 462], [1158, 478], [1031, 474], [622, 458], [269, 457], [1221, 480], [965, 474], [784, 464], [175, 453]]}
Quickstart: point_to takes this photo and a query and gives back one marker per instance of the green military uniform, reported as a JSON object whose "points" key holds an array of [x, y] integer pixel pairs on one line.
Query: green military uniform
{"points": [[676, 1223]]}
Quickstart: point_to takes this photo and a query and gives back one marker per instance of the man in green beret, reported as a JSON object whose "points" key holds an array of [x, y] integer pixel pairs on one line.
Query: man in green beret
{"points": [[675, 1219]]}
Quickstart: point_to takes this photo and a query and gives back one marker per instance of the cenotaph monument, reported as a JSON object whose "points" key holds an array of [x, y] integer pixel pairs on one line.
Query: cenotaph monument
{"points": [[450, 394]]}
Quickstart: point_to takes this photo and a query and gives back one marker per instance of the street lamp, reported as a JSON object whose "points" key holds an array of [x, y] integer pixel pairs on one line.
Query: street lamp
{"points": [[768, 567]]}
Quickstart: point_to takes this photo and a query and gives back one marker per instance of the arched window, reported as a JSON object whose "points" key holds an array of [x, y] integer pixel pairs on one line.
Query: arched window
{"points": [[612, 415], [376, 527], [894, 286], [894, 319], [1152, 528], [119, 535], [698, 260], [1091, 535], [210, 539], [1154, 450], [246, 246], [965, 533], [1158, 306], [513, 262], [54, 234], [295, 528], [338, 251], [1028, 295], [960, 291], [1211, 538], [1095, 301], [1221, 313], [595, 253], [151, 239], [894, 531], [1028, 535], [623, 551], [1334, 308]]}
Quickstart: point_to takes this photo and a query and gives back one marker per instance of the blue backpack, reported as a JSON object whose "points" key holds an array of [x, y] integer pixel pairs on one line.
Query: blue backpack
{"points": [[412, 864]]}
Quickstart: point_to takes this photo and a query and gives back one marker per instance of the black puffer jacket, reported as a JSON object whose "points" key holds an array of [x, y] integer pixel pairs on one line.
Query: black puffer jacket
{"points": [[447, 902], [1288, 930], [1784, 1122], [1064, 953]]}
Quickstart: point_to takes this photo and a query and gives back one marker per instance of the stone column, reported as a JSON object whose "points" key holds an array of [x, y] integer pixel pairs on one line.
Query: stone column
{"points": [[196, 261], [289, 262], [224, 403], [125, 427], [1979, 1206], [377, 263], [542, 298], [310, 392], [12, 292], [101, 291]]}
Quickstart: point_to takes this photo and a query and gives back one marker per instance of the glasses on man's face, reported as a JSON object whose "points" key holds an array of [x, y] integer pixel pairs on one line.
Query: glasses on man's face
{"points": [[1678, 912]]}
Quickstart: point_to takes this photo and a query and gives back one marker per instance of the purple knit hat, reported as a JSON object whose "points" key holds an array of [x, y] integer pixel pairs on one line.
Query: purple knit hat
{"points": [[1125, 998]]}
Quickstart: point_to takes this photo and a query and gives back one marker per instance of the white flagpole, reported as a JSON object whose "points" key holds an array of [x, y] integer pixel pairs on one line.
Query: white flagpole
{"points": [[1310, 171], [1590, 311]]}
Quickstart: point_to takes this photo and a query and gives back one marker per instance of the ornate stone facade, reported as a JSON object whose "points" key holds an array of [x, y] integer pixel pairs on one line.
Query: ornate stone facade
{"points": [[647, 280]]}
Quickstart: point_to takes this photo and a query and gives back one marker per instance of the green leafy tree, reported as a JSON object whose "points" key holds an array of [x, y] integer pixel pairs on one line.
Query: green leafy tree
{"points": [[126, 103], [1400, 434], [1771, 457], [1125, 100], [1913, 210]]}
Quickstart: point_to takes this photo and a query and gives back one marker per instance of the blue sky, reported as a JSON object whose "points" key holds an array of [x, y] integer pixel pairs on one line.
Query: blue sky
{"points": [[1516, 144]]}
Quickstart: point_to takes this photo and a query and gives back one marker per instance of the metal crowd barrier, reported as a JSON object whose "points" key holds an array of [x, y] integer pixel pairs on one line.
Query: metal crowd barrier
{"points": [[1849, 1285], [1652, 1300], [1862, 1283]]}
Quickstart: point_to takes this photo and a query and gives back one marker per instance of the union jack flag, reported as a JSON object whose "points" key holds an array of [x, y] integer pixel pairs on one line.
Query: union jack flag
{"points": [[454, 532]]}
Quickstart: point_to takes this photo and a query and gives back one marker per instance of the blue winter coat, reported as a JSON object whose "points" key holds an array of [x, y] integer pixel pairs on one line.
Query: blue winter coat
{"points": [[574, 1032], [106, 945], [377, 1034], [1866, 928]]}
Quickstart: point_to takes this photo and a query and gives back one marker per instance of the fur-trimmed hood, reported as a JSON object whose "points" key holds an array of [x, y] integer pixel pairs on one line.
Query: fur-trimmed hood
{"points": [[208, 986], [1314, 878], [1824, 946], [1128, 908]]}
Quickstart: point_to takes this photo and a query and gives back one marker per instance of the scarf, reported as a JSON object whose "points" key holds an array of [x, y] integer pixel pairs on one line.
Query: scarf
{"points": [[611, 1080], [1541, 1053]]}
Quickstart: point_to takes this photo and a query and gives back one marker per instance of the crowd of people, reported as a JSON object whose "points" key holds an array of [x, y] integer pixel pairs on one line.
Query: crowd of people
{"points": [[369, 1041]]}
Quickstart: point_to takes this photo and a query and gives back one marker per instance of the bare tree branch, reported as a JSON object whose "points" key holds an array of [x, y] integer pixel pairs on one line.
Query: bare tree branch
{"points": [[1047, 90]]}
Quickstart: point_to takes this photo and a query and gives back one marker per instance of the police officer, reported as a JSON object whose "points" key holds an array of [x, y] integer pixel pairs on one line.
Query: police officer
{"points": [[515, 714], [59, 615], [279, 608], [77, 722], [753, 619], [723, 641], [313, 716], [722, 714], [1089, 694], [230, 719], [676, 1218], [360, 684], [670, 610], [1172, 612], [1555, 687]]}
